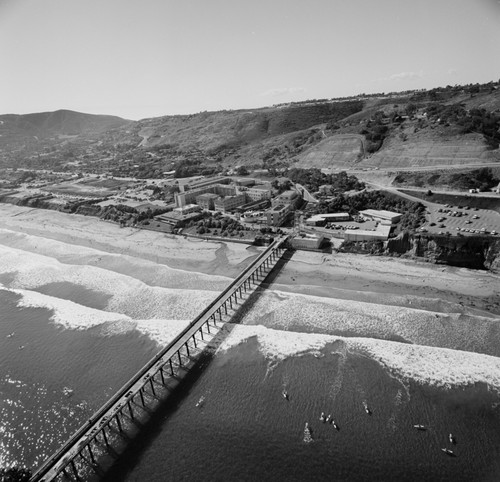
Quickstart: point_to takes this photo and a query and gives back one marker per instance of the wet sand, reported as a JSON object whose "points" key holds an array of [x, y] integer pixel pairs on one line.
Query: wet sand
{"points": [[175, 251], [344, 276], [362, 277]]}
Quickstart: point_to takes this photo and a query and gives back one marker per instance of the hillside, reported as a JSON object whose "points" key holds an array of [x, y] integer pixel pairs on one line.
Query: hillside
{"points": [[215, 132], [451, 126], [335, 151], [60, 122]]}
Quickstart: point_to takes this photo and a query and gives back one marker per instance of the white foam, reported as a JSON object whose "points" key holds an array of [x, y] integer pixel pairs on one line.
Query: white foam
{"points": [[67, 313], [128, 295], [147, 271], [276, 344], [283, 310], [423, 364], [74, 316], [161, 331], [432, 365]]}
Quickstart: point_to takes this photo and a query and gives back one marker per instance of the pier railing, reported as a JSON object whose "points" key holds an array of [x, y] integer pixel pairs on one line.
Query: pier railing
{"points": [[112, 410]]}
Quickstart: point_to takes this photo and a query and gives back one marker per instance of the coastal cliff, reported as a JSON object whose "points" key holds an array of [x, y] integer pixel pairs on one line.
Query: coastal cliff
{"points": [[477, 252]]}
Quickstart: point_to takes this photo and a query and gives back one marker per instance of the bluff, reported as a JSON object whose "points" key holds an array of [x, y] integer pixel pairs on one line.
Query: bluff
{"points": [[476, 252]]}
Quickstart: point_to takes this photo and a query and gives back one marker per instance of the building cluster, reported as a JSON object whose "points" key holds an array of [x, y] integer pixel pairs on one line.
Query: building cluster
{"points": [[253, 201], [384, 222]]}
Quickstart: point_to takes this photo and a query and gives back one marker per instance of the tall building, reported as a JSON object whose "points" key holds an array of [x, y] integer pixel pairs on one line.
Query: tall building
{"points": [[258, 193], [228, 203], [189, 197], [287, 198], [207, 200]]}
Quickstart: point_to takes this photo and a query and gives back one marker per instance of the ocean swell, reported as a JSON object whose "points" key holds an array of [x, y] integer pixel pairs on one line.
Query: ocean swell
{"points": [[423, 364], [128, 295], [71, 315], [298, 312]]}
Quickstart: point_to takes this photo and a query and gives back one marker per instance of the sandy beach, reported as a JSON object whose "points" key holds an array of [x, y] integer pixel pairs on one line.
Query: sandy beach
{"points": [[175, 251], [155, 282], [364, 277], [337, 275]]}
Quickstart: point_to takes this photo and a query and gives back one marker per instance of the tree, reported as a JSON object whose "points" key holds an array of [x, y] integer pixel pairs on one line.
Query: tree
{"points": [[242, 171], [411, 109]]}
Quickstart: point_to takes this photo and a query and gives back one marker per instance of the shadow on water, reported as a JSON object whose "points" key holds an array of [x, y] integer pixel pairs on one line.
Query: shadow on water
{"points": [[149, 429]]}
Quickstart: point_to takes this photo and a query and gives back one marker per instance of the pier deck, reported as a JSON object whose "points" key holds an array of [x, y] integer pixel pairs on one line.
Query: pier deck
{"points": [[80, 444]]}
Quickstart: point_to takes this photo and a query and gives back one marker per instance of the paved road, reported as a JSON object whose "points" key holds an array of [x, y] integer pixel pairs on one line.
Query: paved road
{"points": [[395, 169], [402, 194], [492, 195], [395, 190]]}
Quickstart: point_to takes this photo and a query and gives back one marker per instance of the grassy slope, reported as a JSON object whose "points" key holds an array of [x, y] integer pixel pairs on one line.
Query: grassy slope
{"points": [[61, 122], [294, 134], [432, 145]]}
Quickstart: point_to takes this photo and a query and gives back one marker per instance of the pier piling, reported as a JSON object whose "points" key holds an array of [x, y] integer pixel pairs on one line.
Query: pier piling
{"points": [[58, 464]]}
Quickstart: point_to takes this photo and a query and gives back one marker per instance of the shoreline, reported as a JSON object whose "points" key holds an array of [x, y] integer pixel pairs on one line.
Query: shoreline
{"points": [[174, 251], [320, 274]]}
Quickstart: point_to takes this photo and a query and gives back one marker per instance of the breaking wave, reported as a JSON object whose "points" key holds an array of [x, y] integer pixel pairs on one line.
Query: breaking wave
{"points": [[127, 295], [74, 316], [441, 367], [298, 312]]}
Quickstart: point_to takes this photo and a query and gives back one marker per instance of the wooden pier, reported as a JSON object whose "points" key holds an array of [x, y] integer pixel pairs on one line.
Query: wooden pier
{"points": [[83, 450]]}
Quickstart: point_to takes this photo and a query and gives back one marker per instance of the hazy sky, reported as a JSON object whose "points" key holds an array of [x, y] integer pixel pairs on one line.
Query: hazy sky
{"points": [[145, 58]]}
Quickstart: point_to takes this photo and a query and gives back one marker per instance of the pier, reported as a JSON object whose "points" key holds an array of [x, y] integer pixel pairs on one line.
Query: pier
{"points": [[99, 435]]}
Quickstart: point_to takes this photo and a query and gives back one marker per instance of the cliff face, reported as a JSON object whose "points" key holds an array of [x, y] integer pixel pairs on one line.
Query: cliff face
{"points": [[37, 201], [492, 257], [477, 252]]}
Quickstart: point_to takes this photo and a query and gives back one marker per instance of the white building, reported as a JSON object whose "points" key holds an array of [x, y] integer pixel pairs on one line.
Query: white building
{"points": [[188, 208], [381, 233], [381, 215], [287, 198], [277, 215], [319, 219], [258, 193], [307, 241]]}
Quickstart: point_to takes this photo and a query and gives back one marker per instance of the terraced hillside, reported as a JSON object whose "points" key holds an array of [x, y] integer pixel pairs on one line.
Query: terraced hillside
{"points": [[431, 150], [452, 126], [337, 151]]}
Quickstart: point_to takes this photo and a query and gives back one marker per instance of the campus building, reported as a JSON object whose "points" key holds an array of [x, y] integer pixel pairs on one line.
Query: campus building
{"points": [[207, 200], [380, 233], [381, 215], [229, 203], [307, 241], [190, 197], [277, 215], [259, 193], [287, 198], [322, 219]]}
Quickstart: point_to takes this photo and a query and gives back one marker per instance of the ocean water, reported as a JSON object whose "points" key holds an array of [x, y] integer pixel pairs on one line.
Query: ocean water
{"points": [[75, 324], [52, 379], [246, 430]]}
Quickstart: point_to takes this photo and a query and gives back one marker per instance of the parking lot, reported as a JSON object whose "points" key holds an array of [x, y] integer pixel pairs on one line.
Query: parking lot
{"points": [[462, 220]]}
